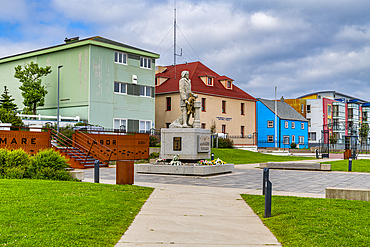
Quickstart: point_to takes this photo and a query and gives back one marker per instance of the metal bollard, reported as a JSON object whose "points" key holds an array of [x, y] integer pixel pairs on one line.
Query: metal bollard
{"points": [[212, 156], [96, 171], [268, 199], [350, 164], [317, 154], [265, 178]]}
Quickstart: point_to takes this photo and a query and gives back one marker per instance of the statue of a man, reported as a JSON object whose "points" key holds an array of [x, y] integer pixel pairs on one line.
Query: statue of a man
{"points": [[187, 99], [185, 90]]}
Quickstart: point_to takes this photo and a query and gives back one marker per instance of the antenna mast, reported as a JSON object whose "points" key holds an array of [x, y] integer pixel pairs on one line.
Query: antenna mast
{"points": [[174, 38]]}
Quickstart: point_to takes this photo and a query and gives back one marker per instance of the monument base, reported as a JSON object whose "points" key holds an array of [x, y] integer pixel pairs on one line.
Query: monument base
{"points": [[189, 143], [185, 170]]}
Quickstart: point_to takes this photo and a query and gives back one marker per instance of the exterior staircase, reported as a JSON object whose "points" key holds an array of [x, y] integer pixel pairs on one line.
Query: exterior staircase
{"points": [[80, 156]]}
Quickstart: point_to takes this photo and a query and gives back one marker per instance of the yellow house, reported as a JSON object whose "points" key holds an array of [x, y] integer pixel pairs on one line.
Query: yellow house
{"points": [[225, 107]]}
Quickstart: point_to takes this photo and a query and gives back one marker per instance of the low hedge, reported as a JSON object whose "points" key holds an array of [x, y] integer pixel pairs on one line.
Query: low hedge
{"points": [[46, 164]]}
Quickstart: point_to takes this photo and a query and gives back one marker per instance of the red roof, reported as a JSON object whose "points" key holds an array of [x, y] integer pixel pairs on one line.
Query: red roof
{"points": [[197, 69]]}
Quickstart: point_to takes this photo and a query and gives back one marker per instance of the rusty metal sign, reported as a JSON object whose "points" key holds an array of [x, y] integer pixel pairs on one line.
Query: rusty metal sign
{"points": [[125, 146], [29, 141]]}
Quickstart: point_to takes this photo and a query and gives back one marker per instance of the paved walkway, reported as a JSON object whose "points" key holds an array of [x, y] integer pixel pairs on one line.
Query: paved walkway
{"points": [[208, 211]]}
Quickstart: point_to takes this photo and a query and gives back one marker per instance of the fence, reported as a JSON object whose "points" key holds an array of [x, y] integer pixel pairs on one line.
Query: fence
{"points": [[44, 120]]}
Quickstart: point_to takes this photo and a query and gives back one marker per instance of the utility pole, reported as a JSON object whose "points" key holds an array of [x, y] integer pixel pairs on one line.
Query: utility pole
{"points": [[275, 118]]}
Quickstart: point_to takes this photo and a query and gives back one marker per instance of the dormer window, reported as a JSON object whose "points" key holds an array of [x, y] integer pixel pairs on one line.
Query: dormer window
{"points": [[209, 81], [228, 85]]}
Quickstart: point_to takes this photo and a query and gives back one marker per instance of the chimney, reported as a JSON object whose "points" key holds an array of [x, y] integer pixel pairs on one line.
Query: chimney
{"points": [[282, 99], [70, 40]]}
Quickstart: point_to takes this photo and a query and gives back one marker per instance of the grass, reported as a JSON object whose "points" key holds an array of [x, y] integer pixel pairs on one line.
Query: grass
{"points": [[237, 156], [299, 221], [55, 213], [362, 165]]}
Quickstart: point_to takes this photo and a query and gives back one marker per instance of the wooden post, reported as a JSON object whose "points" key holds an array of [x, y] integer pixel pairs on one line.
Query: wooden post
{"points": [[124, 172]]}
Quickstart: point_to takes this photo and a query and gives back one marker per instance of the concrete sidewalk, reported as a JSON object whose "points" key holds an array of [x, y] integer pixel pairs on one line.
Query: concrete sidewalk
{"points": [[188, 215]]}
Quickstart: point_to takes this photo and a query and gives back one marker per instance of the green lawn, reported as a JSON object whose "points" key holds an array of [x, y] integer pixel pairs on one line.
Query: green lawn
{"points": [[237, 156], [55, 213], [357, 165], [299, 221]]}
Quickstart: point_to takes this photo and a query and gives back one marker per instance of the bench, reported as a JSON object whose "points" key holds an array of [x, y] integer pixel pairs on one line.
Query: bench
{"points": [[348, 193], [296, 166]]}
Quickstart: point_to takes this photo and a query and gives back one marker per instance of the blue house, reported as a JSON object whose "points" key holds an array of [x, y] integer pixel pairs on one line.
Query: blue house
{"points": [[290, 126]]}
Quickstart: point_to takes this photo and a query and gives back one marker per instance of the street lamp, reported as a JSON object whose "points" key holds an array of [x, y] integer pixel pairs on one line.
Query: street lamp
{"points": [[60, 66]]}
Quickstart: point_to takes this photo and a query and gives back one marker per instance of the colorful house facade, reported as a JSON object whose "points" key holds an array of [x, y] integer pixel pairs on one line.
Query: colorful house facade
{"points": [[282, 129], [225, 108], [102, 81]]}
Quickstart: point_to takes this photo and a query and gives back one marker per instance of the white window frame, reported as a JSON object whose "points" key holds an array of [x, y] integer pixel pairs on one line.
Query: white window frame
{"points": [[293, 125], [124, 58], [120, 87], [286, 139], [209, 81], [122, 122], [293, 138], [308, 110], [302, 126], [312, 134], [145, 63], [147, 126], [270, 124], [146, 90], [301, 140], [286, 124]]}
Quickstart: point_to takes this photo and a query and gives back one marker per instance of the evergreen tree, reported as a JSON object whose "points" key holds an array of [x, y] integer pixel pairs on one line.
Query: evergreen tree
{"points": [[6, 101]]}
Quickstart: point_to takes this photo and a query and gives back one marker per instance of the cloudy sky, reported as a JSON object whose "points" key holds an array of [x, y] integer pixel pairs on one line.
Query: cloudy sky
{"points": [[298, 46]]}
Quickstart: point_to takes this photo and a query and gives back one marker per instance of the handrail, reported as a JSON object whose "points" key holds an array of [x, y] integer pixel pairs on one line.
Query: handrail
{"points": [[67, 142], [94, 145]]}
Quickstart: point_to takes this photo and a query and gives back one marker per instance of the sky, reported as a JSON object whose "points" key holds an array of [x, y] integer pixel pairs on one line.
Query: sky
{"points": [[300, 47]]}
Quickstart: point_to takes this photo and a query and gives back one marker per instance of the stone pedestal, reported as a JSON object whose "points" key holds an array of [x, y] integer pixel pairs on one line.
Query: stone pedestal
{"points": [[189, 143]]}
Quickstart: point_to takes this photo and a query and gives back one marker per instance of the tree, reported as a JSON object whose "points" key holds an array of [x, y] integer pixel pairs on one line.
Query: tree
{"points": [[333, 140], [364, 132], [7, 116], [32, 91], [7, 101]]}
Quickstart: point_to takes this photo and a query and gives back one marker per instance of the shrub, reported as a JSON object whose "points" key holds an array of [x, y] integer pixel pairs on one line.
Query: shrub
{"points": [[153, 141], [223, 143], [293, 145], [154, 155], [17, 158]]}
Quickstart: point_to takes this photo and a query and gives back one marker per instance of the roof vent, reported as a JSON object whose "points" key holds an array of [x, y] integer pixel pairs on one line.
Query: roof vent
{"points": [[71, 40]]}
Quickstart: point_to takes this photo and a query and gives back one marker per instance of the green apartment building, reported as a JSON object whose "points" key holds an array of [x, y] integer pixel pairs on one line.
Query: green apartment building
{"points": [[102, 81]]}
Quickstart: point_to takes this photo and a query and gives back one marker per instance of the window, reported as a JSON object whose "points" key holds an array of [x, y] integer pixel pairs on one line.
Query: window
{"points": [[270, 138], [209, 81], [144, 126], [302, 108], [242, 131], [270, 124], [329, 110], [228, 84], [301, 140], [120, 58], [223, 106], [223, 128], [309, 122], [120, 124], [308, 108], [312, 136], [286, 140], [145, 63], [302, 126], [168, 125], [293, 125], [203, 126], [242, 108], [120, 87], [203, 104], [286, 124], [293, 138], [168, 103], [145, 91]]}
